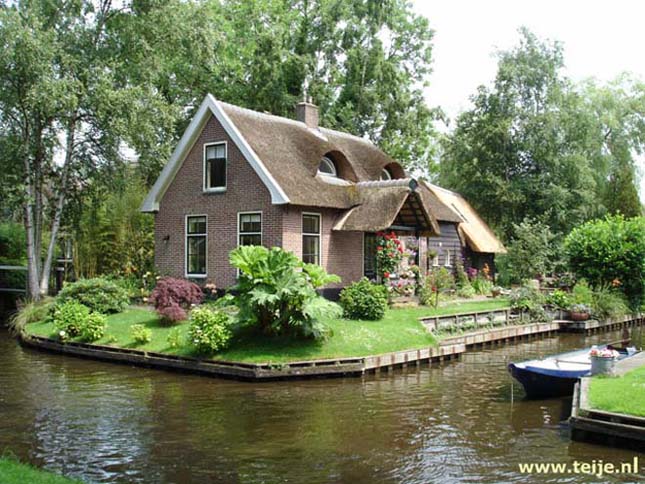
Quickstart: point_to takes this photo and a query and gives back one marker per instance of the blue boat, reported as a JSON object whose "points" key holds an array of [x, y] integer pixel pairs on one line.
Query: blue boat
{"points": [[555, 376]]}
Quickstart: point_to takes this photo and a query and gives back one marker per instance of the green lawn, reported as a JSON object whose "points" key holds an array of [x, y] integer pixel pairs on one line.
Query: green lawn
{"points": [[398, 330], [14, 472], [625, 394]]}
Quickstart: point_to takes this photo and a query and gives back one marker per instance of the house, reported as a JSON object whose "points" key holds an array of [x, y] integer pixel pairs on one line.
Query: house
{"points": [[240, 177]]}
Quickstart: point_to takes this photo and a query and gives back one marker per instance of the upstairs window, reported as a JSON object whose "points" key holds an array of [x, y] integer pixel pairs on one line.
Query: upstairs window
{"points": [[250, 232], [311, 238], [385, 175], [327, 167], [196, 246], [215, 167]]}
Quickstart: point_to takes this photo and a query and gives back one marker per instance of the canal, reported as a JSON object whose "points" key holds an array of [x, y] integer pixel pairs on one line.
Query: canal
{"points": [[461, 422]]}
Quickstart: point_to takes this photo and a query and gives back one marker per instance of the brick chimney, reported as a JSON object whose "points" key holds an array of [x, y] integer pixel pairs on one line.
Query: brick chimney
{"points": [[307, 113]]}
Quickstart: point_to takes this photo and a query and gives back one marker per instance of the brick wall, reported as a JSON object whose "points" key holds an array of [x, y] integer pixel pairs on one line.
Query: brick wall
{"points": [[342, 252], [245, 192]]}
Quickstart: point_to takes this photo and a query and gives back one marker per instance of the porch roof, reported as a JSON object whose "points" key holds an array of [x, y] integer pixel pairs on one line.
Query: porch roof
{"points": [[388, 205]]}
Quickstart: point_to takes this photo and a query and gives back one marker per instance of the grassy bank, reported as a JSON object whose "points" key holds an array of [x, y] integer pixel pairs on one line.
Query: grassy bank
{"points": [[14, 472], [625, 394], [398, 330]]}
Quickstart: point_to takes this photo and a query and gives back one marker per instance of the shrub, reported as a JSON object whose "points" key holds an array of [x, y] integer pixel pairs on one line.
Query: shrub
{"points": [[277, 292], [582, 293], [364, 300], [559, 299], [481, 285], [94, 327], [173, 297], [209, 330], [608, 302], [69, 318], [526, 299], [610, 251], [174, 338], [466, 291], [437, 281], [98, 294], [140, 334]]}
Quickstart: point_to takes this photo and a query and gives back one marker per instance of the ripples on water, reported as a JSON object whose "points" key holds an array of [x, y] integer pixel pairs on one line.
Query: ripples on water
{"points": [[461, 422]]}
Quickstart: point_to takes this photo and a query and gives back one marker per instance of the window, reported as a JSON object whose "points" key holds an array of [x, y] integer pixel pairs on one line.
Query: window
{"points": [[369, 255], [385, 174], [250, 229], [196, 246], [448, 259], [311, 238], [215, 167], [327, 167]]}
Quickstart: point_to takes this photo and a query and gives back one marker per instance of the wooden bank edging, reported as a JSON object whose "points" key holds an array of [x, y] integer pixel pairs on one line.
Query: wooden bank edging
{"points": [[599, 426], [592, 326], [249, 371], [448, 349]]}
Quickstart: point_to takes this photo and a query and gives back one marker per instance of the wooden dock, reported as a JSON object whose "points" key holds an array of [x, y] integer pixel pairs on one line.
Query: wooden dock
{"points": [[608, 428]]}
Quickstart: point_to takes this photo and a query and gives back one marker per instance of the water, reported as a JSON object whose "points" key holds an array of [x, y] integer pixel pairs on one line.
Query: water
{"points": [[452, 423]]}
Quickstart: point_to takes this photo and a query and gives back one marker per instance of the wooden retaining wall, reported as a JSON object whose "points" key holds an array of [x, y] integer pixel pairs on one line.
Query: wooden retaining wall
{"points": [[450, 347], [601, 427], [592, 326], [249, 371], [508, 333]]}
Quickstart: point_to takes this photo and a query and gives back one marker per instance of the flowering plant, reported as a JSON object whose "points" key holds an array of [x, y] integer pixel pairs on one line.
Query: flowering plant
{"points": [[472, 272], [603, 352], [389, 253]]}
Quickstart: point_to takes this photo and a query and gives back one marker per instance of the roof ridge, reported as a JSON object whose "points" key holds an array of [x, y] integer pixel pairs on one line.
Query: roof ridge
{"points": [[295, 122]]}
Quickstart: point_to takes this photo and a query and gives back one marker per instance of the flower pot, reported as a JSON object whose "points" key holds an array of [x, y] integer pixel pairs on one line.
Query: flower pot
{"points": [[602, 365], [576, 316], [496, 292]]}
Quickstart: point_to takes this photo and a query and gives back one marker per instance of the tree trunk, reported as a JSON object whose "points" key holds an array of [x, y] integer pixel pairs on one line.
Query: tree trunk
{"points": [[60, 205], [32, 257]]}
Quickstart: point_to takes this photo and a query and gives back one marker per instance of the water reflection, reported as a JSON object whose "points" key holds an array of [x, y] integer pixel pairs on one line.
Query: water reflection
{"points": [[464, 421]]}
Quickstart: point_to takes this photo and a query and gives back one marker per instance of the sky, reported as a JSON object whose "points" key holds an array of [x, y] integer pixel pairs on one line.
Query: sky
{"points": [[601, 39]]}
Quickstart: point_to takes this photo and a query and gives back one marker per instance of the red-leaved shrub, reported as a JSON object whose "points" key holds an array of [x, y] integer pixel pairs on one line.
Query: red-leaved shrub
{"points": [[172, 297]]}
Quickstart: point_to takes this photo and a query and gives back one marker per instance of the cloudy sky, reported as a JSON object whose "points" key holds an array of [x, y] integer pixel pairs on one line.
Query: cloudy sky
{"points": [[601, 39]]}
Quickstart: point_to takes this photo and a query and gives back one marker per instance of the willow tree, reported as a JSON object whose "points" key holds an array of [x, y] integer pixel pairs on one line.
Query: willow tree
{"points": [[64, 112]]}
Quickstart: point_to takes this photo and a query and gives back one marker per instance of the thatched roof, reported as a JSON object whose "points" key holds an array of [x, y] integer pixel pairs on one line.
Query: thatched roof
{"points": [[292, 152], [473, 230], [394, 205]]}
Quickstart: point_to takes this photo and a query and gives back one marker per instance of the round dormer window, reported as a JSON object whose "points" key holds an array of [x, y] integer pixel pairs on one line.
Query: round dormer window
{"points": [[327, 167], [385, 174]]}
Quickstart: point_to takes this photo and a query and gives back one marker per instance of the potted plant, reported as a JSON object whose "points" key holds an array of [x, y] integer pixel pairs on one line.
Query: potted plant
{"points": [[579, 312], [496, 291], [602, 360]]}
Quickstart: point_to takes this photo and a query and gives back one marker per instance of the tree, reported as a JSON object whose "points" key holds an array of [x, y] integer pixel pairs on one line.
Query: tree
{"points": [[616, 120], [64, 111], [531, 252], [511, 155], [610, 252]]}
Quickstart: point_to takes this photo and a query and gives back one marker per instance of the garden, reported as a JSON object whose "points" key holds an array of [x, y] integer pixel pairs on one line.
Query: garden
{"points": [[276, 315]]}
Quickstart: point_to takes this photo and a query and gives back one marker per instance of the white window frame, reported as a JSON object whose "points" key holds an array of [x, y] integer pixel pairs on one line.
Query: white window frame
{"points": [[239, 225], [186, 235], [319, 235], [205, 188], [448, 259], [331, 164], [385, 175]]}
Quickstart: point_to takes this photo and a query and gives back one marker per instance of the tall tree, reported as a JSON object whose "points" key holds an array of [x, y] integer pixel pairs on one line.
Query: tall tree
{"points": [[64, 111], [511, 155]]}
